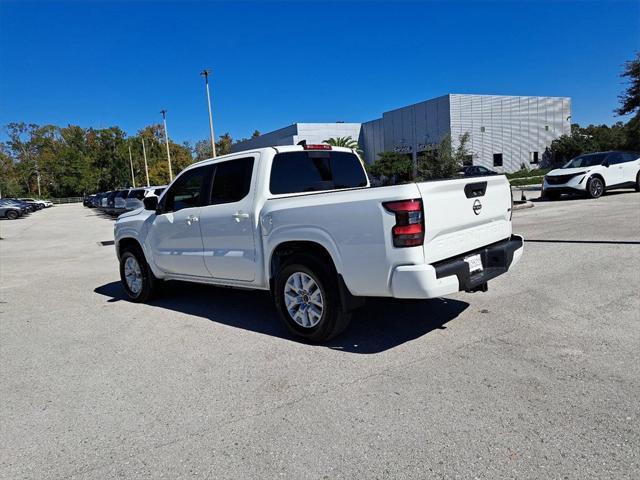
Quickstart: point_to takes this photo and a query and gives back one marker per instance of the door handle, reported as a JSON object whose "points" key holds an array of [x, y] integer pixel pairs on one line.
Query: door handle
{"points": [[240, 216], [192, 219]]}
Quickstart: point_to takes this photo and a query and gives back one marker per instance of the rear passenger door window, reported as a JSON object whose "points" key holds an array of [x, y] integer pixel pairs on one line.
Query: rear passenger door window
{"points": [[231, 181]]}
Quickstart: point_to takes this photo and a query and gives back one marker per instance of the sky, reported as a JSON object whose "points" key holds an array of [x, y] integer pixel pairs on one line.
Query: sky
{"points": [[98, 64]]}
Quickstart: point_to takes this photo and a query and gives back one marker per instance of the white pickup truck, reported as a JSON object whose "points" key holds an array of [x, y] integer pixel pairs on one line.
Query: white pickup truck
{"points": [[304, 223]]}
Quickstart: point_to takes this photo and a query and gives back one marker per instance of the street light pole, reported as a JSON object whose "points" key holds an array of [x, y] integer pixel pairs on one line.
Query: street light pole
{"points": [[205, 74], [166, 139], [133, 178], [38, 179], [144, 154]]}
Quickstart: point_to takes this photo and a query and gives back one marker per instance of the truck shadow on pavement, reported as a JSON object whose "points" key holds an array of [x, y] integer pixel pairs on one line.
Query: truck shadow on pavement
{"points": [[380, 325]]}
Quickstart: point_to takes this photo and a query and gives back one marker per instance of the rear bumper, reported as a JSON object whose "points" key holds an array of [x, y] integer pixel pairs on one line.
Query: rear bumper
{"points": [[452, 275]]}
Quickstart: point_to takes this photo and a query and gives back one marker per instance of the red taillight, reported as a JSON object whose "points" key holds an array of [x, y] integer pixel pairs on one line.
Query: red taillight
{"points": [[409, 228], [319, 146]]}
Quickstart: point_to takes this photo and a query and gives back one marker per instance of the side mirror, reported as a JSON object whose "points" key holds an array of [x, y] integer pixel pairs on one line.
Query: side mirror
{"points": [[150, 203], [606, 164]]}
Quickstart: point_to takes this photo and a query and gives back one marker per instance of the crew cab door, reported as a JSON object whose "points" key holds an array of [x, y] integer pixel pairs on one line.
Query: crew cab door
{"points": [[228, 222], [174, 236]]}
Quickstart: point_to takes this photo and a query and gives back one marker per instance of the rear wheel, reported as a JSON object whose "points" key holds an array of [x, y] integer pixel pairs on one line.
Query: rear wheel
{"points": [[12, 215], [638, 182], [138, 281], [595, 187], [307, 297]]}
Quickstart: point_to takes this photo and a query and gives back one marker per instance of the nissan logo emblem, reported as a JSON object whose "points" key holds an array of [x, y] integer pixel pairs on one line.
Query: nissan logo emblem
{"points": [[477, 206]]}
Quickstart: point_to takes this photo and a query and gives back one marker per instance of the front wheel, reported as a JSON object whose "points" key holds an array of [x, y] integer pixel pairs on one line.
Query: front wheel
{"points": [[138, 281], [595, 187], [307, 298], [638, 182]]}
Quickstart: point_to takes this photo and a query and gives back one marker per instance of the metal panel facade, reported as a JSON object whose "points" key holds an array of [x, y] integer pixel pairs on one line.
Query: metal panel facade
{"points": [[519, 128], [516, 127]]}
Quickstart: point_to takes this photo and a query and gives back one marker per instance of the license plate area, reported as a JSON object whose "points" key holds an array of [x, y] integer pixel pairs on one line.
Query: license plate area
{"points": [[475, 263]]}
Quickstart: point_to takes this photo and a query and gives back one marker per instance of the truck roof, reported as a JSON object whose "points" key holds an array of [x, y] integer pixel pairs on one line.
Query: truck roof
{"points": [[275, 148]]}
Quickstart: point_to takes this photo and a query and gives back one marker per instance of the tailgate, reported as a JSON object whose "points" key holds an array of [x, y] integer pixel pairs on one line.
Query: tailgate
{"points": [[464, 214]]}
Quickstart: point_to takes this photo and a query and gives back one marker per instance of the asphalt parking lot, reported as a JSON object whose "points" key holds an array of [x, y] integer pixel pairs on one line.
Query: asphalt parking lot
{"points": [[537, 378]]}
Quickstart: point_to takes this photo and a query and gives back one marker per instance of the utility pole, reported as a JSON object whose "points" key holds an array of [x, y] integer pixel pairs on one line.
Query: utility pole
{"points": [[133, 178], [38, 179], [166, 139], [205, 74], [144, 154]]}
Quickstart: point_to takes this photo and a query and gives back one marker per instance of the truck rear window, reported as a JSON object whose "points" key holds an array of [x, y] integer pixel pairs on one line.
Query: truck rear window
{"points": [[312, 171]]}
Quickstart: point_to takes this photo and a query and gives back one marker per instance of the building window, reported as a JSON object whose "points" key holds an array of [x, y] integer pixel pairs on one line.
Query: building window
{"points": [[467, 160], [497, 159], [535, 158], [546, 127], [482, 129]]}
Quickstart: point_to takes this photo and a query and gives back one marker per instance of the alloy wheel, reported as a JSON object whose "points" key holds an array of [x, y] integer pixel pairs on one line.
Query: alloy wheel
{"points": [[595, 188], [303, 300], [133, 275]]}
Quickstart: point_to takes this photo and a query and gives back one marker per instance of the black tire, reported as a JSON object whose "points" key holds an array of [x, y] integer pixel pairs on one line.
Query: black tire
{"points": [[12, 215], [595, 187], [638, 182], [333, 320], [149, 283]]}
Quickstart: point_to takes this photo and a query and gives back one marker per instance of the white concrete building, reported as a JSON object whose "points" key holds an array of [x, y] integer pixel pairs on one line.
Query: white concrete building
{"points": [[505, 131], [291, 135]]}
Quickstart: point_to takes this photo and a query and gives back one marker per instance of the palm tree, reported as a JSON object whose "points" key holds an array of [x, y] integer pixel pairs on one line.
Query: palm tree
{"points": [[346, 142]]}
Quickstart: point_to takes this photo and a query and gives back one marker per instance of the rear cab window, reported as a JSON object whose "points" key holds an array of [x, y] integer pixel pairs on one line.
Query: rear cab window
{"points": [[315, 171]]}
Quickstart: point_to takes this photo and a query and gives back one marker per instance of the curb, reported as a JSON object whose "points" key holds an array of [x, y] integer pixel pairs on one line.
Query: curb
{"points": [[522, 206]]}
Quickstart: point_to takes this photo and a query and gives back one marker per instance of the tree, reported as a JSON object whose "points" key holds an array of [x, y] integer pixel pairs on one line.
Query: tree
{"points": [[223, 145], [630, 103], [346, 142], [392, 168], [445, 162], [202, 150], [630, 98], [255, 134], [592, 138]]}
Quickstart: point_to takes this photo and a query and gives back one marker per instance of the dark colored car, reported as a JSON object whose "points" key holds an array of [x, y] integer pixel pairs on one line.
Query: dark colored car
{"points": [[32, 203], [87, 201], [476, 171], [24, 206], [111, 203], [96, 202], [9, 210]]}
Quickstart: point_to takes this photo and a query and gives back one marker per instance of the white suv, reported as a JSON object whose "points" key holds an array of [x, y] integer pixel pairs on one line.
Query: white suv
{"points": [[593, 173]]}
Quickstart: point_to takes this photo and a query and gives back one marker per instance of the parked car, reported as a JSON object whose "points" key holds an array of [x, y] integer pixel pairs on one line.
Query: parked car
{"points": [[108, 202], [87, 201], [24, 207], [9, 210], [43, 203], [593, 174], [303, 223], [476, 171], [136, 196], [97, 201], [32, 203], [119, 201]]}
